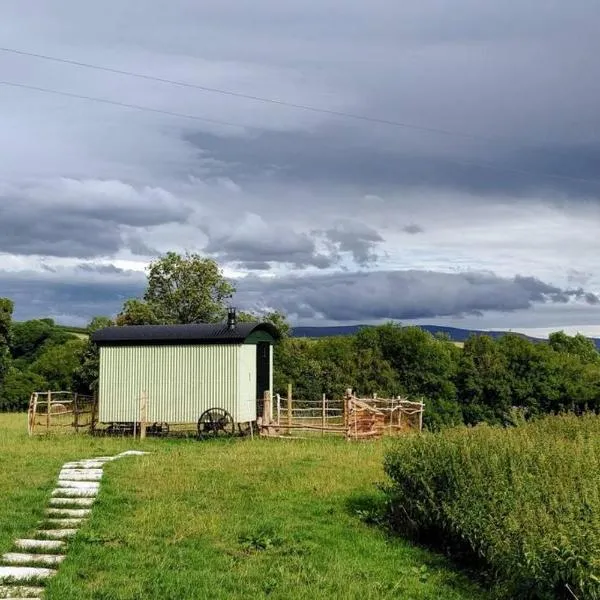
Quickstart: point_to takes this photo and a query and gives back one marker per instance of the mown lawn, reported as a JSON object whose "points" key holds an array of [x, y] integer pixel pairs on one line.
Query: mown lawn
{"points": [[233, 519]]}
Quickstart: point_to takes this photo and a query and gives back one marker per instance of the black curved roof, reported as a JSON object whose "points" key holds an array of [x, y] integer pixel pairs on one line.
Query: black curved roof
{"points": [[197, 333]]}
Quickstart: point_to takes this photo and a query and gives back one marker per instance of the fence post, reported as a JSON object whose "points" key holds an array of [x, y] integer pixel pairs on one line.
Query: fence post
{"points": [[278, 410], [347, 397], [421, 418], [75, 414], [94, 417], [32, 411], [289, 406], [324, 414], [266, 420], [143, 414], [48, 411]]}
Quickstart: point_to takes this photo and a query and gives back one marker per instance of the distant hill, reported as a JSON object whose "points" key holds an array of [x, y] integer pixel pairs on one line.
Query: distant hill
{"points": [[455, 333]]}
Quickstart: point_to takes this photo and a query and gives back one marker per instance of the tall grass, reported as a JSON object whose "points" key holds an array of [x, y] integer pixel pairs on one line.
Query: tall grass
{"points": [[522, 502]]}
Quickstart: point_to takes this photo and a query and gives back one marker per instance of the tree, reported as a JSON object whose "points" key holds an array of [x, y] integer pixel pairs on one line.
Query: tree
{"points": [[425, 368], [187, 289], [482, 381], [6, 310], [57, 364], [577, 345], [17, 389], [85, 377], [276, 318], [137, 312]]}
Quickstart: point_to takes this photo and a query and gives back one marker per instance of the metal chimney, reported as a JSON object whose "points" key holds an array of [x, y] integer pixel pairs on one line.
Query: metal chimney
{"points": [[231, 318]]}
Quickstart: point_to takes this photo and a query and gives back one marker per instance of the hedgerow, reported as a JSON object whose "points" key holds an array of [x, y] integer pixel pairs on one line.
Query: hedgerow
{"points": [[522, 503]]}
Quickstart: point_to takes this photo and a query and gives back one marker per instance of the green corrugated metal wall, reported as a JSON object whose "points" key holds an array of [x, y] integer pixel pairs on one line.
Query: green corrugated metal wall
{"points": [[181, 382]]}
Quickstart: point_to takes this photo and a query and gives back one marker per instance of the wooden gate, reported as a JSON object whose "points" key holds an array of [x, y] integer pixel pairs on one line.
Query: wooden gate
{"points": [[60, 412]]}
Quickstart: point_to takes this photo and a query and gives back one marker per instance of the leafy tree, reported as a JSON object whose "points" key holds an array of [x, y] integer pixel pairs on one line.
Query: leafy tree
{"points": [[577, 345], [6, 310], [57, 364], [426, 367], [482, 381], [17, 389], [276, 318], [294, 364], [31, 338], [137, 312], [85, 377], [187, 289]]}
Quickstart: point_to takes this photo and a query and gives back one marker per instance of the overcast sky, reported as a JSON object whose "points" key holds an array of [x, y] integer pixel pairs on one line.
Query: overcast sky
{"points": [[479, 208]]}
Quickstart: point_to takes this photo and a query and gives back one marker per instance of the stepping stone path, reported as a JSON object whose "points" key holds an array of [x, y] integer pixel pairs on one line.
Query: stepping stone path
{"points": [[36, 559]]}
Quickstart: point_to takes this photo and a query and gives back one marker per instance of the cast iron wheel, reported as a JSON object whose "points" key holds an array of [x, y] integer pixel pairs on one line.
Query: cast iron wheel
{"points": [[215, 422]]}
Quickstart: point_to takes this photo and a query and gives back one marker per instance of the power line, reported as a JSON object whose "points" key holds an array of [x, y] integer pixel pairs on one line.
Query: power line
{"points": [[305, 107], [123, 104], [241, 126]]}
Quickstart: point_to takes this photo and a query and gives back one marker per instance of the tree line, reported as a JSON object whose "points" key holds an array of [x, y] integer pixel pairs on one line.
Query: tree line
{"points": [[491, 380]]}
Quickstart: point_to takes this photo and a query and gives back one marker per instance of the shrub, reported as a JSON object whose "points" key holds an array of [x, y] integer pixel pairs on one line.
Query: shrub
{"points": [[524, 502]]}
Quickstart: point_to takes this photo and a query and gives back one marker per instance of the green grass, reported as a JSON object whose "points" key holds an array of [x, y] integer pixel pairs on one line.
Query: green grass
{"points": [[525, 501], [234, 519]]}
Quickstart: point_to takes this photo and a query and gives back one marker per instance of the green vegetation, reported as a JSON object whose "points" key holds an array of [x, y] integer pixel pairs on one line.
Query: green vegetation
{"points": [[523, 502], [486, 380], [238, 519], [41, 356], [6, 309], [187, 288]]}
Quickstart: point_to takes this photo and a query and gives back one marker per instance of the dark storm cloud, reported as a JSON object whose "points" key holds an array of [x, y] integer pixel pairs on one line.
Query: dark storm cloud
{"points": [[52, 221], [74, 297], [255, 266], [90, 290], [56, 233], [402, 294], [413, 229], [337, 156], [253, 242]]}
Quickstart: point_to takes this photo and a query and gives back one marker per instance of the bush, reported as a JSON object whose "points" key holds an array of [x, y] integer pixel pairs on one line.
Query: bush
{"points": [[524, 502], [17, 389]]}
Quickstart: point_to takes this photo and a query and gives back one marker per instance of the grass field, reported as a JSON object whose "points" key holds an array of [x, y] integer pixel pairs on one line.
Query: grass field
{"points": [[233, 519]]}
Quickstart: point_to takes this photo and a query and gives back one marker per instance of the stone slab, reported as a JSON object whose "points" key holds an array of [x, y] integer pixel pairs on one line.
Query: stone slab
{"points": [[22, 558], [62, 492], [65, 522], [71, 501], [27, 544], [20, 591], [79, 485], [56, 534], [84, 465], [68, 513], [81, 474], [9, 574]]}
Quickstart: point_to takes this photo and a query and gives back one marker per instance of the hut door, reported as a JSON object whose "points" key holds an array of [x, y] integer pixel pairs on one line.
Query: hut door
{"points": [[263, 369]]}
